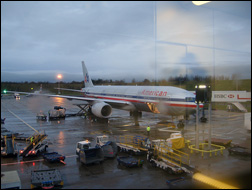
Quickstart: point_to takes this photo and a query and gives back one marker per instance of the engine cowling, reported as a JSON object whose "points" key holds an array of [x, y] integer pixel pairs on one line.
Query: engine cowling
{"points": [[101, 109]]}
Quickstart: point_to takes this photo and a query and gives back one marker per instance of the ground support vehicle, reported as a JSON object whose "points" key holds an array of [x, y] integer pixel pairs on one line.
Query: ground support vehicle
{"points": [[57, 113], [39, 148], [129, 161], [91, 155], [170, 167], [10, 180], [222, 142], [16, 95], [174, 181], [2, 120], [82, 145], [109, 147], [36, 146], [8, 146], [163, 155], [41, 116], [88, 154], [46, 179], [133, 144], [54, 157], [239, 151]]}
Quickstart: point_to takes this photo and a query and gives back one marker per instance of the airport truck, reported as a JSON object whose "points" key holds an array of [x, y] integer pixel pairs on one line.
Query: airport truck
{"points": [[37, 149], [41, 116], [8, 146], [57, 113], [88, 154], [108, 146], [82, 145], [17, 95]]}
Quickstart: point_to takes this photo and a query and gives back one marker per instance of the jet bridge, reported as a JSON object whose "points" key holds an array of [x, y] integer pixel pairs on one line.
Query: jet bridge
{"points": [[233, 97]]}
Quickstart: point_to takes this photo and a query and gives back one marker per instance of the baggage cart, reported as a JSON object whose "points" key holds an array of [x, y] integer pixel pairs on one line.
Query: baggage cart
{"points": [[54, 157], [57, 113], [239, 151], [129, 161], [46, 179], [41, 116]]}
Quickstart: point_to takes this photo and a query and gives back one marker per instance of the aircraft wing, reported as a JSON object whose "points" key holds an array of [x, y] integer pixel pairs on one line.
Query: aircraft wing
{"points": [[91, 100], [73, 90]]}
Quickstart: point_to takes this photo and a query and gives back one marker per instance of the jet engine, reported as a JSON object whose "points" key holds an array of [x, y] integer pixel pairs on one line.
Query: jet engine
{"points": [[101, 109]]}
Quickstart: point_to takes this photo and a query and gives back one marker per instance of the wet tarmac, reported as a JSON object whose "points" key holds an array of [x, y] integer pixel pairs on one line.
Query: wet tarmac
{"points": [[64, 134]]}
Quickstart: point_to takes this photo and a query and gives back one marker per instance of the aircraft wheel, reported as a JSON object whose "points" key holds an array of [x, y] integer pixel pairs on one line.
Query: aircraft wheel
{"points": [[180, 125]]}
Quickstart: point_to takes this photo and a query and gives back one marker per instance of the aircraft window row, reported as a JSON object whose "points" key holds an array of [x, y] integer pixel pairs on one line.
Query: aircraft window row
{"points": [[190, 99], [187, 99]]}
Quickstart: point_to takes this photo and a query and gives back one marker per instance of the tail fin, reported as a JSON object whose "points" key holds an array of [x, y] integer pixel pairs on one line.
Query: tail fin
{"points": [[40, 90], [87, 79]]}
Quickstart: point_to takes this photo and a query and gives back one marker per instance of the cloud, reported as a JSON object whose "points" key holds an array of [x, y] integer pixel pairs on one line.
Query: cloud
{"points": [[116, 39]]}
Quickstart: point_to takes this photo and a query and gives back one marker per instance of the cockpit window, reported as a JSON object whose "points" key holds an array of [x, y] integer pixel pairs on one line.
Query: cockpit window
{"points": [[190, 99]]}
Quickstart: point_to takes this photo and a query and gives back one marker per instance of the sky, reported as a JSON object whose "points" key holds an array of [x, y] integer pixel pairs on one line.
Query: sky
{"points": [[124, 40]]}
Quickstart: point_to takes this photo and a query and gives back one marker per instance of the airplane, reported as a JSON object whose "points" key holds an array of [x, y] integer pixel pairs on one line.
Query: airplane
{"points": [[167, 100]]}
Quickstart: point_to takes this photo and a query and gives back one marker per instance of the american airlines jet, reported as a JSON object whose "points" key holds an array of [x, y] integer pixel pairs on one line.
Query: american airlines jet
{"points": [[157, 99]]}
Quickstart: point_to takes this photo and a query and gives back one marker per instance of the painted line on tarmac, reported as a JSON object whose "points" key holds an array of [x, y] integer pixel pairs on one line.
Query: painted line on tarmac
{"points": [[24, 162], [169, 130], [22, 121], [233, 131]]}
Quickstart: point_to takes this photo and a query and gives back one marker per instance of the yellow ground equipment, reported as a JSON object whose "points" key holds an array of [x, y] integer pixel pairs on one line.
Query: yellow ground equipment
{"points": [[167, 158], [134, 144], [35, 145], [213, 149]]}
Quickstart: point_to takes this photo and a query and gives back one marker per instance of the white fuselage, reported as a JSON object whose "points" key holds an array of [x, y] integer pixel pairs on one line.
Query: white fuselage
{"points": [[157, 99]]}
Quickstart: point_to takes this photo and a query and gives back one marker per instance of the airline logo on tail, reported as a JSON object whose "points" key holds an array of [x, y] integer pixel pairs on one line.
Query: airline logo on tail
{"points": [[86, 78]]}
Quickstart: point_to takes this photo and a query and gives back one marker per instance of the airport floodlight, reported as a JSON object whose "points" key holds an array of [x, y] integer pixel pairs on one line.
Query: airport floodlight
{"points": [[59, 76], [202, 86], [198, 3]]}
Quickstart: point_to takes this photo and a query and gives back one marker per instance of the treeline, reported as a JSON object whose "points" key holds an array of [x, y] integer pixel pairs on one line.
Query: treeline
{"points": [[217, 83]]}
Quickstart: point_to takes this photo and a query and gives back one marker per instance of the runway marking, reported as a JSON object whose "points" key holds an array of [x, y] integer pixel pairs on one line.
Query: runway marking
{"points": [[168, 130], [24, 162], [23, 121], [233, 131]]}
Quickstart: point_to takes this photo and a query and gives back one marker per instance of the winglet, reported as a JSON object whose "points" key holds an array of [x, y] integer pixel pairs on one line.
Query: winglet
{"points": [[87, 80]]}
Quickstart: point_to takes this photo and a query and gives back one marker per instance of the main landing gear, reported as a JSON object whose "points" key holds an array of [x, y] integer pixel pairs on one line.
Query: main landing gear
{"points": [[136, 114], [181, 124]]}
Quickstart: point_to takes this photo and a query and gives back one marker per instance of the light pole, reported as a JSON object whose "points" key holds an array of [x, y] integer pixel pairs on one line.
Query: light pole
{"points": [[59, 76], [203, 95]]}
